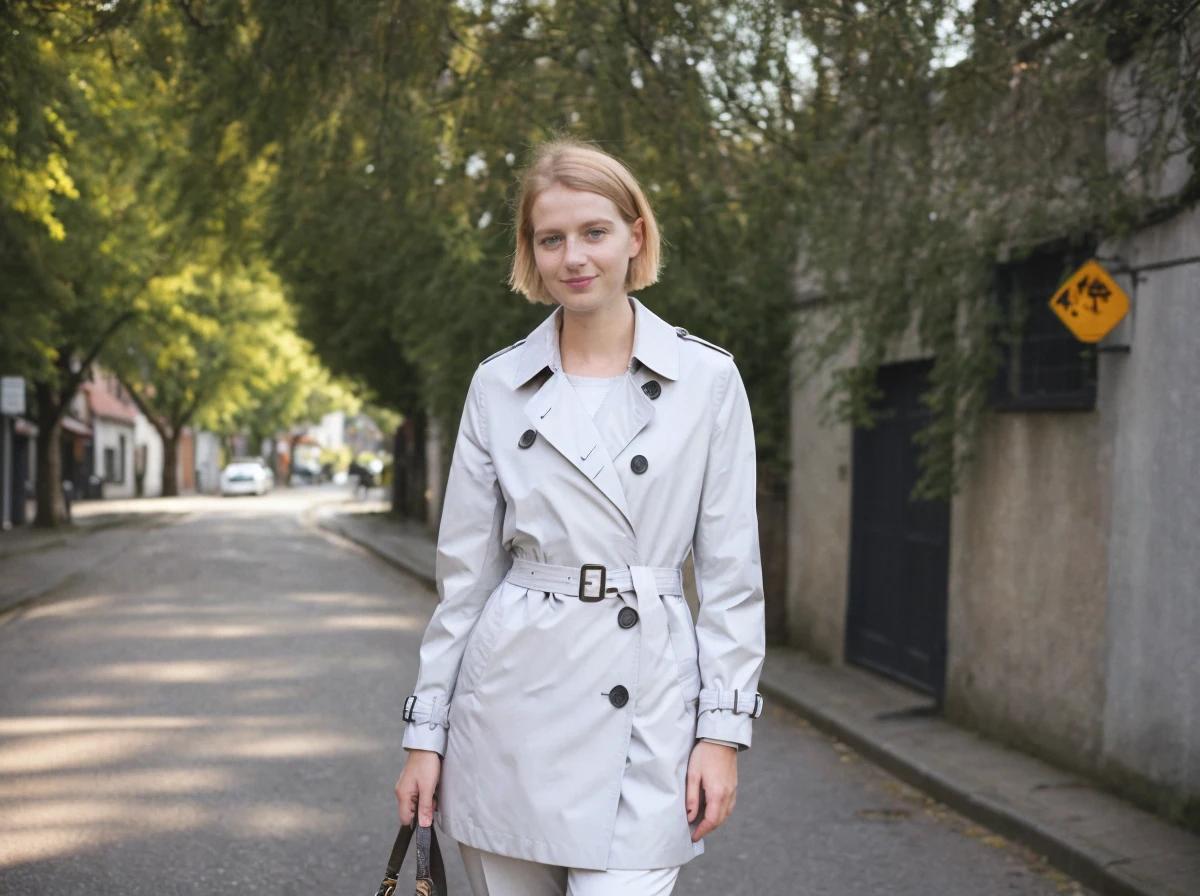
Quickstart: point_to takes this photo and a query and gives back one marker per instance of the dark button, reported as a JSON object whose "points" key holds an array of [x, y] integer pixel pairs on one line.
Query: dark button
{"points": [[652, 388], [527, 438], [638, 464], [618, 696], [627, 618]]}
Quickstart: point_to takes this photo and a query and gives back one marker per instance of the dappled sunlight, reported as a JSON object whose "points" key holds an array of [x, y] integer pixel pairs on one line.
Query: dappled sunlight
{"points": [[343, 599], [218, 631], [363, 622], [82, 702], [287, 818], [288, 746], [58, 751], [69, 607], [148, 782], [43, 830], [61, 724], [266, 692], [201, 671], [219, 683]]}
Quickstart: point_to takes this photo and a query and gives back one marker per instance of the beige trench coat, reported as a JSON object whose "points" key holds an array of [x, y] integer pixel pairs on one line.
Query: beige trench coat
{"points": [[515, 685]]}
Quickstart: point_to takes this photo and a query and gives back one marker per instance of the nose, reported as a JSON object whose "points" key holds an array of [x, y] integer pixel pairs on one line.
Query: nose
{"points": [[575, 255]]}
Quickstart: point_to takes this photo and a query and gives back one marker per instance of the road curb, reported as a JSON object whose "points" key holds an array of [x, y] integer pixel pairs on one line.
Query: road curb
{"points": [[332, 523], [13, 607], [1075, 859]]}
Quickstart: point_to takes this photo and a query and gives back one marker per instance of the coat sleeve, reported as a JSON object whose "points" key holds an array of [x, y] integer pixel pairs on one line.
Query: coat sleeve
{"points": [[731, 622], [471, 561]]}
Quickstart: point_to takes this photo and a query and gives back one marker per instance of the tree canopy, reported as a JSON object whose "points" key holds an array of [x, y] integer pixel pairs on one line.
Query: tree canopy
{"points": [[887, 154]]}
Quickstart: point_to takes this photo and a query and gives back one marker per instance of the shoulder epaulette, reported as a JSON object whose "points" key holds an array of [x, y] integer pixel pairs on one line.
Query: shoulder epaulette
{"points": [[684, 334], [502, 351]]}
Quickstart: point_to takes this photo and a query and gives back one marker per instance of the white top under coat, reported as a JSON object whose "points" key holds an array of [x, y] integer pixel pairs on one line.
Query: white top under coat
{"points": [[592, 389]]}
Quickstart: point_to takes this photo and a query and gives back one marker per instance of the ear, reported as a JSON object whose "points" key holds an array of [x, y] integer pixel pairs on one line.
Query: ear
{"points": [[637, 235]]}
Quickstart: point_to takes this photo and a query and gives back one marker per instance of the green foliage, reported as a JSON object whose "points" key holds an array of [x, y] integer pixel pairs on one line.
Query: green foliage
{"points": [[366, 154], [394, 148], [940, 138]]}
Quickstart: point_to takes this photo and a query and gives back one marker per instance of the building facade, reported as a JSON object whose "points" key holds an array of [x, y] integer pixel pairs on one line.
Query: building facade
{"points": [[1054, 602]]}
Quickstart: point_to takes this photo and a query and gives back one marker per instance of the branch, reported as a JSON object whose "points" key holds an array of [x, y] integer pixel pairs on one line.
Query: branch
{"points": [[105, 335], [143, 406]]}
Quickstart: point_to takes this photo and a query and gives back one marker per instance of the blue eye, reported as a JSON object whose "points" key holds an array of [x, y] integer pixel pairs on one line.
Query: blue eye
{"points": [[597, 230], [548, 241]]}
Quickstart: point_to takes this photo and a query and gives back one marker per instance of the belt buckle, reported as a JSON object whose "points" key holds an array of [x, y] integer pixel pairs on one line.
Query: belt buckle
{"points": [[583, 571]]}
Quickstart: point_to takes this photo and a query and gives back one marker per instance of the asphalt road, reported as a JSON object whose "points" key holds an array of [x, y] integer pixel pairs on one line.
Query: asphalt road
{"points": [[214, 710]]}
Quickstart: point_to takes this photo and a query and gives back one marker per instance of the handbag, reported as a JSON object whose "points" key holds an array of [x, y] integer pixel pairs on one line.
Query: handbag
{"points": [[431, 872]]}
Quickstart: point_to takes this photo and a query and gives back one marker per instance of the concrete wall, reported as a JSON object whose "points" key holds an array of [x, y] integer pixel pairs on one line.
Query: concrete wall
{"points": [[1074, 581], [819, 507], [1028, 576], [1152, 709]]}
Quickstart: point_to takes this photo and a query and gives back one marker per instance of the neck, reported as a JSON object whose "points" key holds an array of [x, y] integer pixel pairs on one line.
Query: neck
{"points": [[598, 342]]}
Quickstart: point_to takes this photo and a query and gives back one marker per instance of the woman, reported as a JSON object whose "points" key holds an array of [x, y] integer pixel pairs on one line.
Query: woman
{"points": [[572, 718]]}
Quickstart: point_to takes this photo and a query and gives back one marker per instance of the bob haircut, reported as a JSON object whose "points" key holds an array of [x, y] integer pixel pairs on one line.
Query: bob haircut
{"points": [[580, 166]]}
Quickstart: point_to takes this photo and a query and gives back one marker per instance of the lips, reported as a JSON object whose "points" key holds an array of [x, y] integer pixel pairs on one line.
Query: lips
{"points": [[579, 281]]}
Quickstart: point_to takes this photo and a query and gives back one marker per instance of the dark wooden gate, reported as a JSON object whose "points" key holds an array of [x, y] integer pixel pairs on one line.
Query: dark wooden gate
{"points": [[899, 549]]}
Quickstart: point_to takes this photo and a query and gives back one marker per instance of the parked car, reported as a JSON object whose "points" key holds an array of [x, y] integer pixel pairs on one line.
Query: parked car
{"points": [[246, 476]]}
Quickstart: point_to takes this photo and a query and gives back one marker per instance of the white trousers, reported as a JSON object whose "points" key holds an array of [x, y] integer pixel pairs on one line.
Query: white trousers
{"points": [[496, 875]]}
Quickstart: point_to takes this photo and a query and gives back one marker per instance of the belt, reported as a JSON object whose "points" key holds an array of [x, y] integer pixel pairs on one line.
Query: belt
{"points": [[593, 582]]}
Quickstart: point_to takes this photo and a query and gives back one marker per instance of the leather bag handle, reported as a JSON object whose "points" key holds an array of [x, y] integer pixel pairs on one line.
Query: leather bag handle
{"points": [[431, 871]]}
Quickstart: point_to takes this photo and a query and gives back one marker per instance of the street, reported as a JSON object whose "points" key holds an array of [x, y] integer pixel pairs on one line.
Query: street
{"points": [[215, 709]]}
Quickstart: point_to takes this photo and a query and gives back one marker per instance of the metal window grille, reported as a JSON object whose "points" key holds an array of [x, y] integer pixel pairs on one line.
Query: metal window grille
{"points": [[1043, 367]]}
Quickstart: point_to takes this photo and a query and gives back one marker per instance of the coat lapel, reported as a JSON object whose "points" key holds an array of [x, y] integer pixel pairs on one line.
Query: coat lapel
{"points": [[557, 414], [623, 414]]}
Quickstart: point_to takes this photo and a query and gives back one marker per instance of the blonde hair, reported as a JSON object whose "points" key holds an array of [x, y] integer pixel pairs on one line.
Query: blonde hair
{"points": [[580, 166]]}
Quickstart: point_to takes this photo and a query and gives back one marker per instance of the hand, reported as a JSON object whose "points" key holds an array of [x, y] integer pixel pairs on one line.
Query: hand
{"points": [[417, 785], [711, 780]]}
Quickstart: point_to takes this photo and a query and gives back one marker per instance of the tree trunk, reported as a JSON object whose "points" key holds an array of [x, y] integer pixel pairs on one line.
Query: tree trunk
{"points": [[409, 468], [51, 509], [170, 471]]}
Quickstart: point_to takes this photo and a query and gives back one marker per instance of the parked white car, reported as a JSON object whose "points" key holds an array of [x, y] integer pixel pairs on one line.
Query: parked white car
{"points": [[246, 476]]}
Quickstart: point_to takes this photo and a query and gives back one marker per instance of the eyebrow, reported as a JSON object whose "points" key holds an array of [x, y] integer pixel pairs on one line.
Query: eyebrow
{"points": [[585, 225]]}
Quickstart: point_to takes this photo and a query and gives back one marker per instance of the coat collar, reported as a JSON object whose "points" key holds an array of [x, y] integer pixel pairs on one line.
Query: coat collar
{"points": [[655, 344]]}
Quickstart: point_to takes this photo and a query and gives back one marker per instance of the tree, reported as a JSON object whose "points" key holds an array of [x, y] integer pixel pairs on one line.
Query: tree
{"points": [[78, 234], [205, 343]]}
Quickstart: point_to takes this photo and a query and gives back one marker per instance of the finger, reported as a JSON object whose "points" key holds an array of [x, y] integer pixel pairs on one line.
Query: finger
{"points": [[407, 801], [692, 801], [709, 824]]}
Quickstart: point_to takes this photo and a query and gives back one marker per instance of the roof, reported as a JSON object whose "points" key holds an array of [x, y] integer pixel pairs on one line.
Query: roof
{"points": [[104, 404]]}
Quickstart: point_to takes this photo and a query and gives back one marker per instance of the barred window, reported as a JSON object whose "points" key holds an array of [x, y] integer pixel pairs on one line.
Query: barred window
{"points": [[1043, 367]]}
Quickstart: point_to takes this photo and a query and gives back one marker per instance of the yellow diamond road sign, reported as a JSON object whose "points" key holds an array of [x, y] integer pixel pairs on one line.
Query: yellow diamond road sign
{"points": [[1090, 303]]}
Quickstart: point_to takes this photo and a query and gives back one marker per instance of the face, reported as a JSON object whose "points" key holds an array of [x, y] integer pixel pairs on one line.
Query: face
{"points": [[582, 247]]}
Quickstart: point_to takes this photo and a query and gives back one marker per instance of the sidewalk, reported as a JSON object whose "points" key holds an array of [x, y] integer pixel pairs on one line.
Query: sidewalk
{"points": [[34, 562], [1102, 841]]}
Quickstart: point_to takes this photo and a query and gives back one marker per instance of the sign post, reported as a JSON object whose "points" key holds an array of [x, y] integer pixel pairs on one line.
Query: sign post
{"points": [[12, 403]]}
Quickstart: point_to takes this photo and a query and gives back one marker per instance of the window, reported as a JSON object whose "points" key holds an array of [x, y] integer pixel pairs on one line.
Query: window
{"points": [[114, 462], [1043, 366]]}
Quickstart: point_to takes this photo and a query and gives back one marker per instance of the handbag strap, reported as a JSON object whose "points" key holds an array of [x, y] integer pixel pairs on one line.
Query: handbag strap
{"points": [[431, 870]]}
